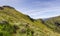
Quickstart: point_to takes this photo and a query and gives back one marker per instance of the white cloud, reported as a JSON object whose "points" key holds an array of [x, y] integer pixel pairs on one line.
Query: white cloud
{"points": [[35, 9]]}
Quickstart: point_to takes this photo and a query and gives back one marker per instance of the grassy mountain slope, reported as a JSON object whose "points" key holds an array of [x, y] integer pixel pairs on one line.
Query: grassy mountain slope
{"points": [[14, 23], [54, 23]]}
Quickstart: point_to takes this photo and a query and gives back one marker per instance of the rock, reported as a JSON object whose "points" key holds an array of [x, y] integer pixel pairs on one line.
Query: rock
{"points": [[16, 27], [23, 31], [4, 22], [9, 7], [58, 24], [1, 8]]}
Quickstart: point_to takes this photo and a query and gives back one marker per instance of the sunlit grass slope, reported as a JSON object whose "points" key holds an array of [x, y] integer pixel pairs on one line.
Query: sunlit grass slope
{"points": [[14, 23]]}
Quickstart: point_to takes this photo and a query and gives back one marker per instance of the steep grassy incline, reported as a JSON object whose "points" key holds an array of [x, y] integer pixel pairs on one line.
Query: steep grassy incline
{"points": [[54, 23], [12, 14], [14, 23]]}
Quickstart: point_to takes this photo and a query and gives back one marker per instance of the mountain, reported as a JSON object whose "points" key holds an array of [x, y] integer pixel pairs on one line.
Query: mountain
{"points": [[54, 23], [14, 23]]}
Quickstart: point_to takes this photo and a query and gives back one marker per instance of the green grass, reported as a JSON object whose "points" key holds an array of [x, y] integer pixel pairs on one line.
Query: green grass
{"points": [[16, 22]]}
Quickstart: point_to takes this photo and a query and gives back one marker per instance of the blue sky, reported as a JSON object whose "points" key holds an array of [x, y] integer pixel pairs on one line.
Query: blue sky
{"points": [[35, 8]]}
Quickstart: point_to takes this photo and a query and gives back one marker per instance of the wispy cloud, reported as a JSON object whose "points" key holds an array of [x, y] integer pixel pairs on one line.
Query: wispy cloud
{"points": [[35, 8]]}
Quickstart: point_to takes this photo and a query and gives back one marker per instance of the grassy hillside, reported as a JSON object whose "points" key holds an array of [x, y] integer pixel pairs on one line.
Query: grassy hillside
{"points": [[14, 23], [54, 23]]}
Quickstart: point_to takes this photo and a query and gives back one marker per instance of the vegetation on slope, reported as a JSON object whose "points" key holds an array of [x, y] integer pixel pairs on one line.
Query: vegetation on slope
{"points": [[14, 23], [54, 23]]}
